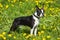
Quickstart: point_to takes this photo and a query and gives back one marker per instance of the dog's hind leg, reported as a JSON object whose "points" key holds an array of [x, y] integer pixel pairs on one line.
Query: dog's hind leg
{"points": [[14, 26]]}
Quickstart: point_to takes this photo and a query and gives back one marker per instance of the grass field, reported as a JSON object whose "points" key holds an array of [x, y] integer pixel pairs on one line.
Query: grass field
{"points": [[48, 28]]}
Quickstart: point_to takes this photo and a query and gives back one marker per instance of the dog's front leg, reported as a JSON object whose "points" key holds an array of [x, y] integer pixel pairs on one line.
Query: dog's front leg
{"points": [[35, 31], [31, 31]]}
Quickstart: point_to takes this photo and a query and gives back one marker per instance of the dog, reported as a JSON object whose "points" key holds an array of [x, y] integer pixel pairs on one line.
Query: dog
{"points": [[32, 21]]}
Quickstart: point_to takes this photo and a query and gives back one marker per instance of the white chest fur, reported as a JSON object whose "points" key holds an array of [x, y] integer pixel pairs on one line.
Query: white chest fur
{"points": [[36, 21]]}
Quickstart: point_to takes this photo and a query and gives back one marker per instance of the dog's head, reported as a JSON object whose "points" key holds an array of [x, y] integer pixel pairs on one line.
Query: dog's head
{"points": [[39, 12]]}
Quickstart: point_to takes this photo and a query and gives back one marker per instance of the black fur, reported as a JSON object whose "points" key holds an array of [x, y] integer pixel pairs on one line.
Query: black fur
{"points": [[28, 21]]}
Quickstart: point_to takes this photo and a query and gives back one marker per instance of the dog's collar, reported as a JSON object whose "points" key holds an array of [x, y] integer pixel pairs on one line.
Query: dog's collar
{"points": [[36, 16]]}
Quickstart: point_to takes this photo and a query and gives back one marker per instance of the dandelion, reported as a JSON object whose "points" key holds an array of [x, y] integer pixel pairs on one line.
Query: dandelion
{"points": [[6, 6], [42, 32], [55, 28], [39, 33], [1, 35], [12, 5], [52, 26], [20, 3], [46, 2], [10, 35], [28, 36], [34, 39], [45, 7], [4, 38], [56, 9], [51, 15], [14, 1], [24, 34], [58, 38], [44, 14], [14, 37], [1, 5], [50, 1], [44, 27], [26, 0], [32, 8], [59, 10], [51, 9], [37, 2], [49, 36], [4, 33], [44, 38]]}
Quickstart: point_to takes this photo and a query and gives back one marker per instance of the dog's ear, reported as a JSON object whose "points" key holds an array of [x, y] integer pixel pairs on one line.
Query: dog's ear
{"points": [[37, 7], [43, 8]]}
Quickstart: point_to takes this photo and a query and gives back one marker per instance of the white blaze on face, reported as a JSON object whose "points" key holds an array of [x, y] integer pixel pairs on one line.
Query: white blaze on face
{"points": [[35, 13], [42, 10], [41, 13]]}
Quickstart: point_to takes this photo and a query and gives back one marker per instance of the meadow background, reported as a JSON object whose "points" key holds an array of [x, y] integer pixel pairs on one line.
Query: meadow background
{"points": [[48, 28]]}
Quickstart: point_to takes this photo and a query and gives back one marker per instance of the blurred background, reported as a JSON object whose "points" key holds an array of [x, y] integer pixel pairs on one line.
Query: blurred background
{"points": [[48, 28]]}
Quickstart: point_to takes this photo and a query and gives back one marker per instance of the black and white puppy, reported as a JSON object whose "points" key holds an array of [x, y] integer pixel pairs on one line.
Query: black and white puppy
{"points": [[32, 21]]}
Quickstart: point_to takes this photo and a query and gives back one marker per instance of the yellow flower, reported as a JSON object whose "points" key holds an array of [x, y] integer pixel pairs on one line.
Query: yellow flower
{"points": [[32, 8], [6, 6], [44, 14], [48, 36], [44, 38], [14, 37], [42, 32], [12, 5], [59, 10], [44, 27], [58, 38], [24, 34], [51, 26], [51, 15], [50, 1], [20, 2], [1, 35], [4, 33], [28, 36], [45, 7], [55, 28], [26, 0], [1, 5], [46, 2], [14, 1], [51, 9], [37, 2], [39, 33], [10, 35], [4, 38], [34, 39]]}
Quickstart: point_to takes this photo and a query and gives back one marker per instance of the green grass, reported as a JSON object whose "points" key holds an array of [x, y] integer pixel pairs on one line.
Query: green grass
{"points": [[49, 24]]}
